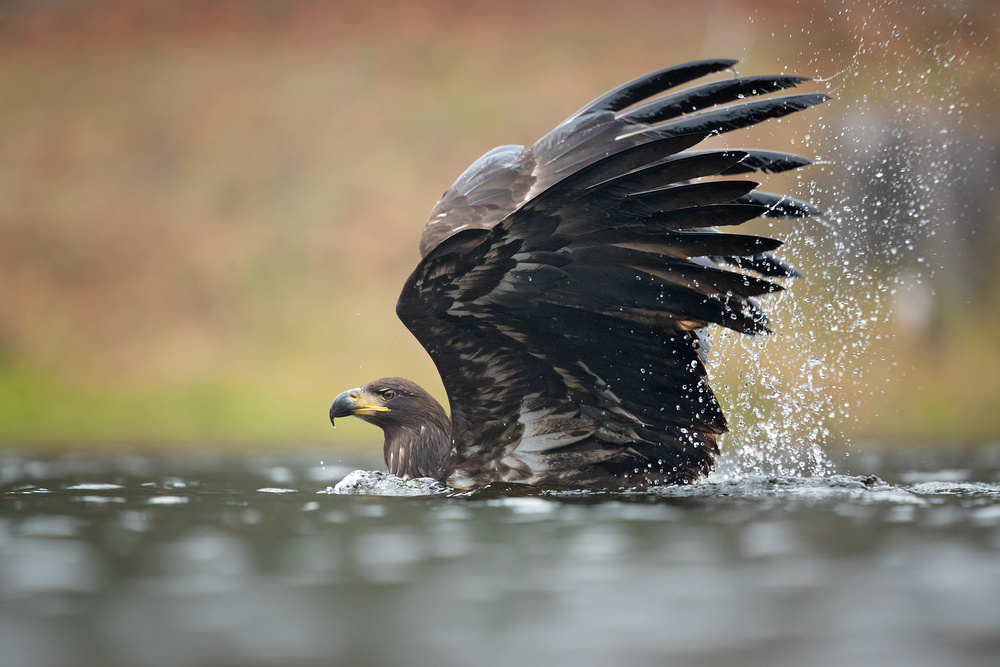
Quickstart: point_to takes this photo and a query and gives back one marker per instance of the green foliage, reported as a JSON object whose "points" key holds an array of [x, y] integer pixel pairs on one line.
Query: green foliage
{"points": [[40, 411]]}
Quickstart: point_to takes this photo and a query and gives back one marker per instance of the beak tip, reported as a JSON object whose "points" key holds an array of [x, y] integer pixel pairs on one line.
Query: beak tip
{"points": [[342, 406]]}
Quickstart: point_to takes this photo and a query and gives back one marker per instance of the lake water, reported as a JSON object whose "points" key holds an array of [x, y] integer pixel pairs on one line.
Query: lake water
{"points": [[251, 560]]}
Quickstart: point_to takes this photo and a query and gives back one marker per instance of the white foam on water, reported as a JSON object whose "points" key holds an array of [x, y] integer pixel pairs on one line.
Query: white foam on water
{"points": [[378, 483]]}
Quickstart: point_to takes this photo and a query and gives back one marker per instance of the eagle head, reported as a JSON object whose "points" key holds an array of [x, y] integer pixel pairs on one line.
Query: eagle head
{"points": [[417, 429], [383, 402]]}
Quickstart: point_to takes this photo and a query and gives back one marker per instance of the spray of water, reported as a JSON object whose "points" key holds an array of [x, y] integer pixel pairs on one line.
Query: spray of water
{"points": [[893, 151]]}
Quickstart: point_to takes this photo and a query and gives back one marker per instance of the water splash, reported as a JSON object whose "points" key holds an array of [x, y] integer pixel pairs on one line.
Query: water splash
{"points": [[893, 152], [378, 483]]}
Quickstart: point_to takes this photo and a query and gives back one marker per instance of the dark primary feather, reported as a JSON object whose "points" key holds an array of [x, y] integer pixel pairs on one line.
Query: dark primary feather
{"points": [[654, 83], [508, 176], [565, 288], [709, 95]]}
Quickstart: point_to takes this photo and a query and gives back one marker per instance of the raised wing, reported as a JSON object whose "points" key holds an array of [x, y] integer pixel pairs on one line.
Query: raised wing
{"points": [[508, 176], [568, 334]]}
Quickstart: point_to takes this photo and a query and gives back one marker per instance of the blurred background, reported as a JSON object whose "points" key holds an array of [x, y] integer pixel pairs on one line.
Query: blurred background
{"points": [[208, 207]]}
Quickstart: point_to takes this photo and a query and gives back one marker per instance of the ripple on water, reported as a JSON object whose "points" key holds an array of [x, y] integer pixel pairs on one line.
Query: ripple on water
{"points": [[226, 566]]}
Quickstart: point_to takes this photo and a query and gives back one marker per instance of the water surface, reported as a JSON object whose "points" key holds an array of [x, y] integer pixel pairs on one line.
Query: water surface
{"points": [[225, 560]]}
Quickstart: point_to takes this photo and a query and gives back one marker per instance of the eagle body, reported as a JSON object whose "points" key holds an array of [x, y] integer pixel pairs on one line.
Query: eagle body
{"points": [[565, 289]]}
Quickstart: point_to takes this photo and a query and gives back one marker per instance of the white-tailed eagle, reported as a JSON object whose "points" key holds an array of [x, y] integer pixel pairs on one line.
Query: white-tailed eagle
{"points": [[564, 290]]}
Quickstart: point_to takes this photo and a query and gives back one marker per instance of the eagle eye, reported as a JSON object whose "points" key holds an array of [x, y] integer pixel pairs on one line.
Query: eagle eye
{"points": [[388, 394]]}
